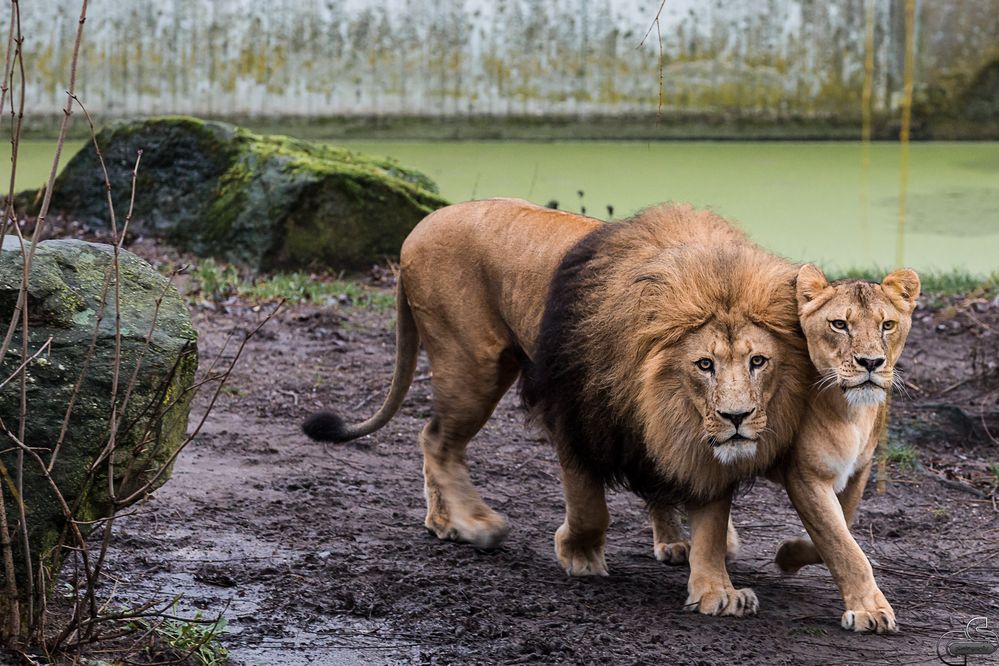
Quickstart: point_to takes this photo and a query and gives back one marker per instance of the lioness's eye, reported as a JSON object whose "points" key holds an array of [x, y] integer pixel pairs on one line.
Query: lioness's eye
{"points": [[888, 325], [838, 324], [705, 364], [757, 362]]}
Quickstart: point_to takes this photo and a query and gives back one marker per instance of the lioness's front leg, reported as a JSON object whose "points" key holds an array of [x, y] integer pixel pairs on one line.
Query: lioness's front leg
{"points": [[796, 553], [709, 588], [815, 500], [579, 542]]}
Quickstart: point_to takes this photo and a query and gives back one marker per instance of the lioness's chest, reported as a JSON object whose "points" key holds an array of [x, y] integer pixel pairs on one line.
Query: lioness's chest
{"points": [[851, 448]]}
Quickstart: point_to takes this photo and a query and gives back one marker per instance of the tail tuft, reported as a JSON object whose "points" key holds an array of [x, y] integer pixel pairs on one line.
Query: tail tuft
{"points": [[325, 427]]}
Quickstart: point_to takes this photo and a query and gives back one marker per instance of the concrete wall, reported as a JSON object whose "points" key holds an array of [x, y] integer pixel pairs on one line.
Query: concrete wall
{"points": [[498, 57]]}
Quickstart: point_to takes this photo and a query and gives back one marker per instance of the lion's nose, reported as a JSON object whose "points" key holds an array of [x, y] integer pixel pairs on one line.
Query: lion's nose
{"points": [[736, 418], [870, 363]]}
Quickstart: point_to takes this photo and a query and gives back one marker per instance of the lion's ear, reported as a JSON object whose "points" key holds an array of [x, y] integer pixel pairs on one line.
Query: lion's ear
{"points": [[810, 283], [902, 287]]}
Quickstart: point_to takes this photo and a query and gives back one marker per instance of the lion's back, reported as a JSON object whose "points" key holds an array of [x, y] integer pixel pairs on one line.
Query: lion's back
{"points": [[487, 265]]}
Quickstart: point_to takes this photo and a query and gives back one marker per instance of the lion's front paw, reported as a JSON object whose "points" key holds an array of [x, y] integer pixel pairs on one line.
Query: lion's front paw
{"points": [[723, 600], [672, 553], [796, 553], [580, 557], [873, 613]]}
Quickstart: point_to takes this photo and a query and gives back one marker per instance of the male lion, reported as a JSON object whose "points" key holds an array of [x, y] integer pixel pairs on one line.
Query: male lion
{"points": [[668, 362]]}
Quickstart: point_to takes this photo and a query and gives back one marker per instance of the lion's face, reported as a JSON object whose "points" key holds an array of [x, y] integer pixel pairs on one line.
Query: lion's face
{"points": [[731, 370], [856, 330]]}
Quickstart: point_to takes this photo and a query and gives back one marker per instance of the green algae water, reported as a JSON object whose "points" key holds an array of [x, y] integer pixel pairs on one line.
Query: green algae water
{"points": [[803, 200], [807, 201]]}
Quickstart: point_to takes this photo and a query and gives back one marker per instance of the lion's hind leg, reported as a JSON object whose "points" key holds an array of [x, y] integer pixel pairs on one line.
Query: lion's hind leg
{"points": [[579, 542], [465, 393], [669, 543]]}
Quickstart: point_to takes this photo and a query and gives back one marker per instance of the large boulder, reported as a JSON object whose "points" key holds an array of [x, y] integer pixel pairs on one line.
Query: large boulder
{"points": [[268, 202], [65, 290]]}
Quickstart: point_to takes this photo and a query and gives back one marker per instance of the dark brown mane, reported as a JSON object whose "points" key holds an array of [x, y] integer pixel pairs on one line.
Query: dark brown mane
{"points": [[621, 299]]}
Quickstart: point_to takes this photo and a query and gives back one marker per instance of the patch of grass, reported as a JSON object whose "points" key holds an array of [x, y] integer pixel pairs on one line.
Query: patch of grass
{"points": [[302, 287], [905, 455], [954, 282], [195, 637], [216, 282], [940, 514], [811, 630], [234, 391], [993, 470]]}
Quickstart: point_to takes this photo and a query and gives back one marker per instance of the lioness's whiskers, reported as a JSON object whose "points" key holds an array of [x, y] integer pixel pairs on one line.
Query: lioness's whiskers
{"points": [[827, 379], [898, 383]]}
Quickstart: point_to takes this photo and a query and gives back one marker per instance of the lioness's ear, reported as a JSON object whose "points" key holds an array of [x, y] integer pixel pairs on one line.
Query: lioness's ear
{"points": [[902, 287], [810, 283]]}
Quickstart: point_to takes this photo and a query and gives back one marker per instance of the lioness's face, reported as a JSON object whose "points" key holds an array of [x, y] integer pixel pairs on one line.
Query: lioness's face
{"points": [[856, 330], [730, 369]]}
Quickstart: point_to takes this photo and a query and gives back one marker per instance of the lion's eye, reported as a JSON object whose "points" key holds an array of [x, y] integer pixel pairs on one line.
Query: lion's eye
{"points": [[757, 362], [888, 325], [705, 364], [838, 324]]}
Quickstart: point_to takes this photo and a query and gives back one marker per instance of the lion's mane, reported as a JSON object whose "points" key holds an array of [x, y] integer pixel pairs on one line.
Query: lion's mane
{"points": [[604, 379]]}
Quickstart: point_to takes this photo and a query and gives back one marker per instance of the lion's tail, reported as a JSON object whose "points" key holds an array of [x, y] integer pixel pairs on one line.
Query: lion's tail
{"points": [[330, 427]]}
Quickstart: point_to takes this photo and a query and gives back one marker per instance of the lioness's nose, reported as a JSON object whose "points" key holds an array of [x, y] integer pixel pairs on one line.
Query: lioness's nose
{"points": [[736, 419], [871, 364]]}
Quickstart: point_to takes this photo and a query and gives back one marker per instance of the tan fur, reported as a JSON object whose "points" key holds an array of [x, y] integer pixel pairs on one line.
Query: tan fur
{"points": [[829, 466], [663, 310], [475, 278]]}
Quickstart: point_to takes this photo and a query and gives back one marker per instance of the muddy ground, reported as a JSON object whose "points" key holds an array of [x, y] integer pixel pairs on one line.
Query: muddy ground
{"points": [[317, 554]]}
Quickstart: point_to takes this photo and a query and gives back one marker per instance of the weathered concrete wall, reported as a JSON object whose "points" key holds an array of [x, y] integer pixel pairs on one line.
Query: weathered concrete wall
{"points": [[496, 57]]}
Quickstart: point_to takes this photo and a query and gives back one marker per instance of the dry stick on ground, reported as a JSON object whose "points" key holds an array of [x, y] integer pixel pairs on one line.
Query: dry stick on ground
{"points": [[23, 410], [47, 198], [208, 410], [17, 118], [116, 269], [20, 314], [12, 621]]}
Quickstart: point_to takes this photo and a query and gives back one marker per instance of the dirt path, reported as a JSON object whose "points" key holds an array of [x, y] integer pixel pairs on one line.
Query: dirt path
{"points": [[318, 555]]}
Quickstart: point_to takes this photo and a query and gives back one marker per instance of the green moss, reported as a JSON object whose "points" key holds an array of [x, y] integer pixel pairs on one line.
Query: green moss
{"points": [[65, 292], [226, 192]]}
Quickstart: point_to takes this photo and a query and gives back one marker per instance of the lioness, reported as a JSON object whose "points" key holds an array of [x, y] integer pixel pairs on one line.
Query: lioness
{"points": [[669, 362], [855, 332]]}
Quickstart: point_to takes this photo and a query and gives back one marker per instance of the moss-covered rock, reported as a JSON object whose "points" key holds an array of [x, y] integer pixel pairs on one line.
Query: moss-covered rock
{"points": [[265, 201], [65, 291]]}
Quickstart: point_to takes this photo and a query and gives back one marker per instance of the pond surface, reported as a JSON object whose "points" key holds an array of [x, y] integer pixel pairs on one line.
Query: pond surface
{"points": [[807, 201], [803, 200]]}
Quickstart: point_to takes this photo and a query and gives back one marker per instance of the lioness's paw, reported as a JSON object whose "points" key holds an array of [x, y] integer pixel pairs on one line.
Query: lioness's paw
{"points": [[672, 553], [873, 614], [724, 601], [796, 553], [579, 558], [486, 531]]}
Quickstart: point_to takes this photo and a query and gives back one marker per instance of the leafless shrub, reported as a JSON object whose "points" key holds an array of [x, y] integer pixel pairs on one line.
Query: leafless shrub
{"points": [[26, 622]]}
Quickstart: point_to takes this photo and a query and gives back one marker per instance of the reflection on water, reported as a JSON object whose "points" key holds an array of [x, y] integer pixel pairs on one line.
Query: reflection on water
{"points": [[800, 199]]}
